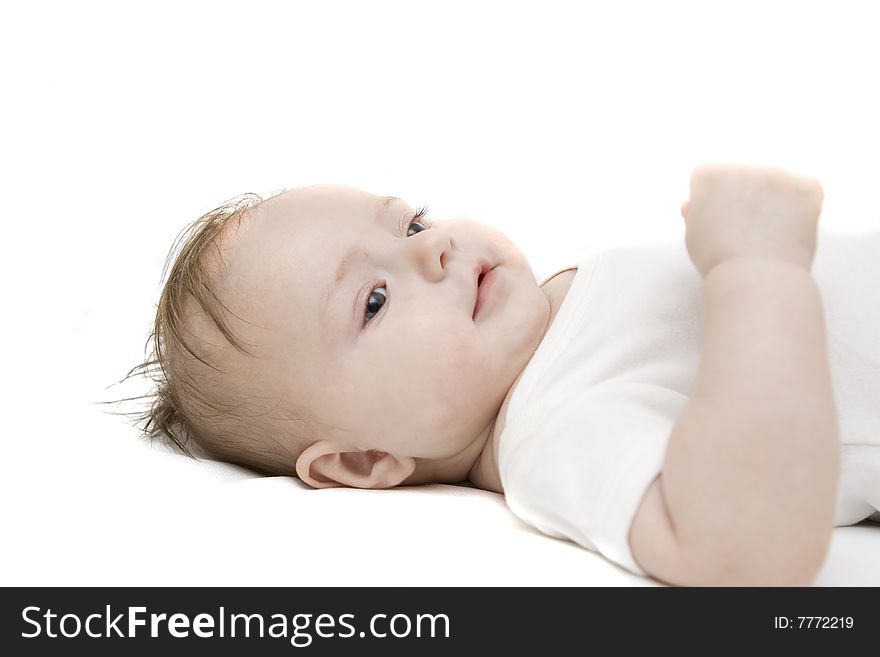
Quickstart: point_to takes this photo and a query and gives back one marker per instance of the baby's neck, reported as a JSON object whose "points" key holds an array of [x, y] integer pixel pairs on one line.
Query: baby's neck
{"points": [[485, 473]]}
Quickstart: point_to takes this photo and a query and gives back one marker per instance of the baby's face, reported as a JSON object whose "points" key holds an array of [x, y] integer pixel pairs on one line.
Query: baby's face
{"points": [[388, 353]]}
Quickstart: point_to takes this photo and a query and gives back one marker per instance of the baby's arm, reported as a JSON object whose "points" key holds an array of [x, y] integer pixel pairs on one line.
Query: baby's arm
{"points": [[750, 475]]}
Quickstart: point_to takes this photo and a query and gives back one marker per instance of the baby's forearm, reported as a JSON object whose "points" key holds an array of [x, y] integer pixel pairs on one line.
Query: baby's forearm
{"points": [[750, 472]]}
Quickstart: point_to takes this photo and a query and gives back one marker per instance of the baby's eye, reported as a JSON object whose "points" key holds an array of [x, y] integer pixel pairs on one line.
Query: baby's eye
{"points": [[375, 302], [415, 223], [420, 219]]}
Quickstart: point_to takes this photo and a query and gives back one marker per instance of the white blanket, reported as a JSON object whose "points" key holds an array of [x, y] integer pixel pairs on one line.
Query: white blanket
{"points": [[158, 518]]}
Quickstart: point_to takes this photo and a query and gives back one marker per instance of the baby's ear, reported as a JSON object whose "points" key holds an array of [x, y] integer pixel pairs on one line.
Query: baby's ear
{"points": [[323, 465]]}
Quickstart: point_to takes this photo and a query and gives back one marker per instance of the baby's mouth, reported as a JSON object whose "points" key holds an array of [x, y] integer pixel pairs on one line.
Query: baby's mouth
{"points": [[484, 269]]}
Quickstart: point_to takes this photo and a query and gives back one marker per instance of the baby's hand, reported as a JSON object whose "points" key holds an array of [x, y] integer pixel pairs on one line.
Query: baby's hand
{"points": [[750, 211]]}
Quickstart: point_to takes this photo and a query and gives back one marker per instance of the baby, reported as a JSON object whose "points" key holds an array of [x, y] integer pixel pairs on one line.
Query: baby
{"points": [[670, 407]]}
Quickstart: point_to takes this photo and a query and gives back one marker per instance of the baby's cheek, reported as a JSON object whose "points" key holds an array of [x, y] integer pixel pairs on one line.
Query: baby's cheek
{"points": [[500, 243], [463, 371]]}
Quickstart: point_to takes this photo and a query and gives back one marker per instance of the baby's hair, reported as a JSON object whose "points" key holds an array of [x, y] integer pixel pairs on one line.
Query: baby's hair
{"points": [[182, 410]]}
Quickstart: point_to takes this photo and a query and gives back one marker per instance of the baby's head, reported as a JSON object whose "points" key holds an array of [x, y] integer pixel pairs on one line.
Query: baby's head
{"points": [[330, 334]]}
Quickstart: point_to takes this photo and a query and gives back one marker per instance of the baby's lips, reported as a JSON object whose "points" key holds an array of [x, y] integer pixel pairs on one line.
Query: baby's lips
{"points": [[684, 209]]}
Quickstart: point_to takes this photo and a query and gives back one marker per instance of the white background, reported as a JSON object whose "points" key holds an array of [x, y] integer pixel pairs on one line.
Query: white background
{"points": [[561, 123]]}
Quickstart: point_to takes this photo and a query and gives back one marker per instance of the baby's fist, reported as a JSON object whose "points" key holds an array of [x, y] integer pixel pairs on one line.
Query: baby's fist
{"points": [[751, 211]]}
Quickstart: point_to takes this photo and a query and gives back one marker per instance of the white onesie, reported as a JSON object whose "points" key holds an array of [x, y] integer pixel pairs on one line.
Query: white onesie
{"points": [[588, 423]]}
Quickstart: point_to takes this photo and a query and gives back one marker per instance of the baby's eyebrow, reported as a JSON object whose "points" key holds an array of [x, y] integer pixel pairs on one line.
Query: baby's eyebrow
{"points": [[336, 280]]}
